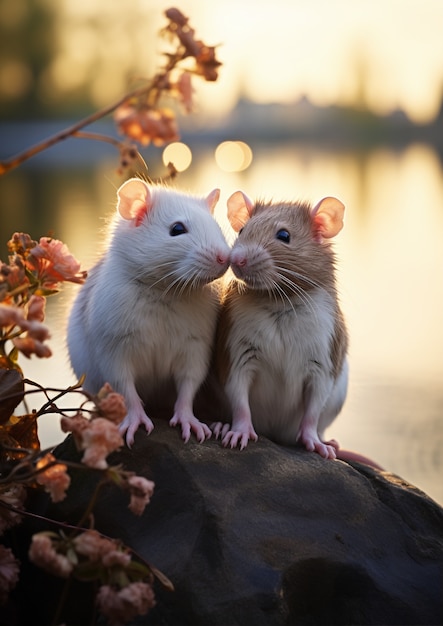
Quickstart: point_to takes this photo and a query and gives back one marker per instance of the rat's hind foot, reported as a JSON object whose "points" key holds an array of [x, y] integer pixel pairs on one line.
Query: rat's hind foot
{"points": [[312, 442]]}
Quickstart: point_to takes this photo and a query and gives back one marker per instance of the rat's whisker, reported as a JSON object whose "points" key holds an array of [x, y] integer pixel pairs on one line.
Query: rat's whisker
{"points": [[284, 296], [304, 278], [300, 293]]}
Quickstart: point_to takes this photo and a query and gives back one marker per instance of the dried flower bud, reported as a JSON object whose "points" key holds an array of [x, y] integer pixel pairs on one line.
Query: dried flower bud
{"points": [[55, 478], [29, 346], [20, 243], [93, 545], [129, 155], [43, 554], [141, 490], [11, 316], [207, 64], [111, 404], [36, 308], [183, 86], [13, 495], [176, 16], [123, 605], [9, 572]]}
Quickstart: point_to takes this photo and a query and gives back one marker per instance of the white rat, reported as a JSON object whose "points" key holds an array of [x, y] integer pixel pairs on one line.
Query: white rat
{"points": [[145, 319], [282, 341]]}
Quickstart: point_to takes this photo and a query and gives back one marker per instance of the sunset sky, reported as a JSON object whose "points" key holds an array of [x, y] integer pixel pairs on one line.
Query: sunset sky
{"points": [[384, 54]]}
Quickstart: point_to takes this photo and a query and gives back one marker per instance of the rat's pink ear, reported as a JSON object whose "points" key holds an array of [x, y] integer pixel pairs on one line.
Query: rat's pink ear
{"points": [[134, 200], [328, 218], [240, 209], [212, 199]]}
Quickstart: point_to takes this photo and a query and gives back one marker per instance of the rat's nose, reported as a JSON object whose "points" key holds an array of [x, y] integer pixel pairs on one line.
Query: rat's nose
{"points": [[240, 262]]}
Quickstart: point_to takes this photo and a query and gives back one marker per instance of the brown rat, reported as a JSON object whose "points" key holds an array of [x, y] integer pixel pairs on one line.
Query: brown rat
{"points": [[282, 340], [145, 319]]}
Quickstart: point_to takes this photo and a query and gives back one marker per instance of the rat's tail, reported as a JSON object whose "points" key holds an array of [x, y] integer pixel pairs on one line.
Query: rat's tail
{"points": [[348, 455]]}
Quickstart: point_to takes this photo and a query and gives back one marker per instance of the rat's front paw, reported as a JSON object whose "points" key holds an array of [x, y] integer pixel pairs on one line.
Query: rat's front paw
{"points": [[190, 424], [131, 423]]}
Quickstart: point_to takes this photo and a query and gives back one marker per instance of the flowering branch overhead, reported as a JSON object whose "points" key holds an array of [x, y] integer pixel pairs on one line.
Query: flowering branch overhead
{"points": [[139, 114]]}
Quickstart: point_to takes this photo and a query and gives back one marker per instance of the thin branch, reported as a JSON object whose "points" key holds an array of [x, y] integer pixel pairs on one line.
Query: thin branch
{"points": [[10, 164]]}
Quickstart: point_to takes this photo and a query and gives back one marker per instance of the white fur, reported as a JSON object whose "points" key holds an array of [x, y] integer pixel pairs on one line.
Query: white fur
{"points": [[145, 319]]}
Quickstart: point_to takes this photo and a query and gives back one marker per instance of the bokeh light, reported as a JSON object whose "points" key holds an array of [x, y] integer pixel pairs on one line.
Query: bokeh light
{"points": [[179, 154], [233, 156]]}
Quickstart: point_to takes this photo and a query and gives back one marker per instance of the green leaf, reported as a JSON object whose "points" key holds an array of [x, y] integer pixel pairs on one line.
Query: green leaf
{"points": [[13, 355], [88, 571]]}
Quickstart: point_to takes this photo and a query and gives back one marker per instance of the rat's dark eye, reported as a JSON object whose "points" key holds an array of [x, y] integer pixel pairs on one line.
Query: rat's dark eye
{"points": [[240, 231], [177, 229], [283, 235]]}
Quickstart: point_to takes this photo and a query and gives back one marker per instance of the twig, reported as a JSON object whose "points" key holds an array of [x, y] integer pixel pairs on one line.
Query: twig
{"points": [[10, 164]]}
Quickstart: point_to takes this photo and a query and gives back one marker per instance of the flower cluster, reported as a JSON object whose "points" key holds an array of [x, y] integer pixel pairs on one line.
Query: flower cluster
{"points": [[139, 114], [35, 270], [144, 124], [141, 118], [125, 585]]}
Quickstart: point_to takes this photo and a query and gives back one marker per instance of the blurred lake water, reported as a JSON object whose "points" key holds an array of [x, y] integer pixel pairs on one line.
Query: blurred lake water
{"points": [[390, 272]]}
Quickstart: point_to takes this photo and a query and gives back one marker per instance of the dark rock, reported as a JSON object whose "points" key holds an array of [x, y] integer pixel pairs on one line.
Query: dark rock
{"points": [[273, 536]]}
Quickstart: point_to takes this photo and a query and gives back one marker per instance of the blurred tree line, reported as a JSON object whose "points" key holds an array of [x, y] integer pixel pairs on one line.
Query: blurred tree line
{"points": [[66, 59], [26, 48]]}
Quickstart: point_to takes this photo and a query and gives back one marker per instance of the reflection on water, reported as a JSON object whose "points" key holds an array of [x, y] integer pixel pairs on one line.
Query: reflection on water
{"points": [[390, 277]]}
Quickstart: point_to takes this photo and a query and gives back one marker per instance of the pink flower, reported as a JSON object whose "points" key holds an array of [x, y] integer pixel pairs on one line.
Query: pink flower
{"points": [[121, 606], [11, 315], [93, 546], [99, 440], [97, 437], [14, 496], [111, 404], [9, 571], [55, 478], [75, 425], [29, 346], [54, 263], [13, 275], [36, 308], [116, 558], [145, 125], [141, 490], [37, 333], [43, 554], [185, 91], [37, 330]]}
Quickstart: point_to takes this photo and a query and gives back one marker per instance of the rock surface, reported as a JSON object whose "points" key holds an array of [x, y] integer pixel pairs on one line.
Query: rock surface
{"points": [[273, 536]]}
